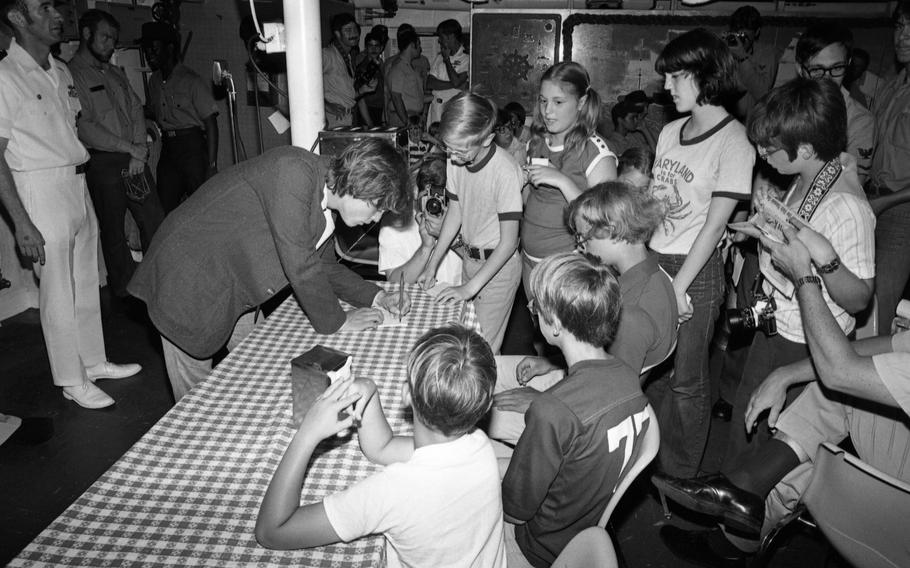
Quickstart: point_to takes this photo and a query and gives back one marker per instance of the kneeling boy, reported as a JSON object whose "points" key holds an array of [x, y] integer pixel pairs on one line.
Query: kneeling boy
{"points": [[581, 434], [438, 502]]}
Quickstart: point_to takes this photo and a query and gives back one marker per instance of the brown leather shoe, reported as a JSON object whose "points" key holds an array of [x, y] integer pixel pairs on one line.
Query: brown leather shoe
{"points": [[741, 511]]}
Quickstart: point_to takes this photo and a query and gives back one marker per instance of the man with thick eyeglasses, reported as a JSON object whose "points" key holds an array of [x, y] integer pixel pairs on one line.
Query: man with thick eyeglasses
{"points": [[823, 52]]}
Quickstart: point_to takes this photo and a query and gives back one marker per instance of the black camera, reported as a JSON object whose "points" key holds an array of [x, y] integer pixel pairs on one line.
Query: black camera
{"points": [[433, 201], [760, 315]]}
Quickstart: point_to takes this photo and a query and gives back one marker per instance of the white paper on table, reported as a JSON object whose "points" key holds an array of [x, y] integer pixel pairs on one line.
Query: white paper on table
{"points": [[391, 320]]}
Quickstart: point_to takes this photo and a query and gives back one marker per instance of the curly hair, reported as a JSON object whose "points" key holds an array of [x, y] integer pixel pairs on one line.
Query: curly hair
{"points": [[619, 210], [375, 171]]}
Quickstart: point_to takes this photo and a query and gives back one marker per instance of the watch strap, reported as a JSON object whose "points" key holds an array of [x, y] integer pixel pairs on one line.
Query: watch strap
{"points": [[808, 280], [830, 267]]}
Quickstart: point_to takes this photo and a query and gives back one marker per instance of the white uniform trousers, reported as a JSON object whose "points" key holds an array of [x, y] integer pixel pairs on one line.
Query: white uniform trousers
{"points": [[58, 203]]}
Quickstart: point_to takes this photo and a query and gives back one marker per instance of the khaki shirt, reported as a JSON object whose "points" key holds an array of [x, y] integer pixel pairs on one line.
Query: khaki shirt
{"points": [[38, 111], [183, 101], [860, 135], [890, 166], [111, 118]]}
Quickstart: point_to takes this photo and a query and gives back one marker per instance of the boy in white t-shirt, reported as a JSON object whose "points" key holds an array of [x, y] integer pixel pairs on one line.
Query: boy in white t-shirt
{"points": [[439, 502]]}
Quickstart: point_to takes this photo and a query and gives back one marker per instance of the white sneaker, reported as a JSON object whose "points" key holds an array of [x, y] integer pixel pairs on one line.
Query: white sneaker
{"points": [[87, 395], [108, 370]]}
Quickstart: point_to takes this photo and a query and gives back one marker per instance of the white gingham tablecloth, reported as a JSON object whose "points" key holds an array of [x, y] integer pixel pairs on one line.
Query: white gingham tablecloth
{"points": [[187, 494]]}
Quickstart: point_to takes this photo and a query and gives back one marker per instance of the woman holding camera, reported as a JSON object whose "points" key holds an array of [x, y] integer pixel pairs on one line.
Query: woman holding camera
{"points": [[703, 166]]}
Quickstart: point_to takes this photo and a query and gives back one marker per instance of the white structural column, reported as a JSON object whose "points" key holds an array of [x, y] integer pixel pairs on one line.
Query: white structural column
{"points": [[303, 36]]}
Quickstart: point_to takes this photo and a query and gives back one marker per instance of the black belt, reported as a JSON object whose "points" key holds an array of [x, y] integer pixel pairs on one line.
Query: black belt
{"points": [[181, 132], [478, 253], [80, 169]]}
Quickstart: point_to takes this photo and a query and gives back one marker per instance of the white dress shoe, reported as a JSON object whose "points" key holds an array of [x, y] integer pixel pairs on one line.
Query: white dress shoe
{"points": [[108, 370], [87, 395]]}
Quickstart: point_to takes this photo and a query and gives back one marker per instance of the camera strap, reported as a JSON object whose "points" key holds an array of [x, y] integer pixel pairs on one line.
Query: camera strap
{"points": [[821, 185]]}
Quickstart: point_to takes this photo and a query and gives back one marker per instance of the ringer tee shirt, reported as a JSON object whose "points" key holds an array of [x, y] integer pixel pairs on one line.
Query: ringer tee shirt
{"points": [[441, 508], [688, 173], [544, 231], [489, 191]]}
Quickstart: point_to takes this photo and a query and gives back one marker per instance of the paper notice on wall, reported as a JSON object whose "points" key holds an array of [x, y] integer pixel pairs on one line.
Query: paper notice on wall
{"points": [[279, 122]]}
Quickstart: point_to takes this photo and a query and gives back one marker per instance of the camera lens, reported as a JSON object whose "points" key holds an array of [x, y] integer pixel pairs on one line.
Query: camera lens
{"points": [[434, 207], [740, 320]]}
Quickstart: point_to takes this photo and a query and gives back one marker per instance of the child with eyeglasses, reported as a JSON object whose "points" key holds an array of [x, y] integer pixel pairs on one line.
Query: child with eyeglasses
{"points": [[612, 223], [484, 190]]}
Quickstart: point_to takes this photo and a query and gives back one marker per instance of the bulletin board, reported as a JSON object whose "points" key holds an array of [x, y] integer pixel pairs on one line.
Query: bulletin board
{"points": [[510, 53], [619, 50]]}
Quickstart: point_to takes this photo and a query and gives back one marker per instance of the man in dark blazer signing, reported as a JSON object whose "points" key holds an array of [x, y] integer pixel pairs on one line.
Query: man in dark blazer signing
{"points": [[253, 229]]}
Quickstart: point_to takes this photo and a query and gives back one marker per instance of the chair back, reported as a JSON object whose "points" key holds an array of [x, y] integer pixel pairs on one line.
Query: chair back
{"points": [[647, 452], [591, 547], [863, 512]]}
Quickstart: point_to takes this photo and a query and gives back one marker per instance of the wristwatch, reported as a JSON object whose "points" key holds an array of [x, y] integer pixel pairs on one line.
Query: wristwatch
{"points": [[807, 280], [830, 267]]}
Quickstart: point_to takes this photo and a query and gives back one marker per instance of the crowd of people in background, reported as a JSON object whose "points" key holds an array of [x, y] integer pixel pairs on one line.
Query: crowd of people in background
{"points": [[652, 201], [628, 236]]}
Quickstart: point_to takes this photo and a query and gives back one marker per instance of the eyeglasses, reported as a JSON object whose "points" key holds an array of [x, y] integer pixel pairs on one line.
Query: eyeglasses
{"points": [[765, 153], [819, 72], [581, 239], [465, 156], [733, 39]]}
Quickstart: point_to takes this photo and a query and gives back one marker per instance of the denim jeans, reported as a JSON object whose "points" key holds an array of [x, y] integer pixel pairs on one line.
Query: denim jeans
{"points": [[892, 262], [682, 395]]}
